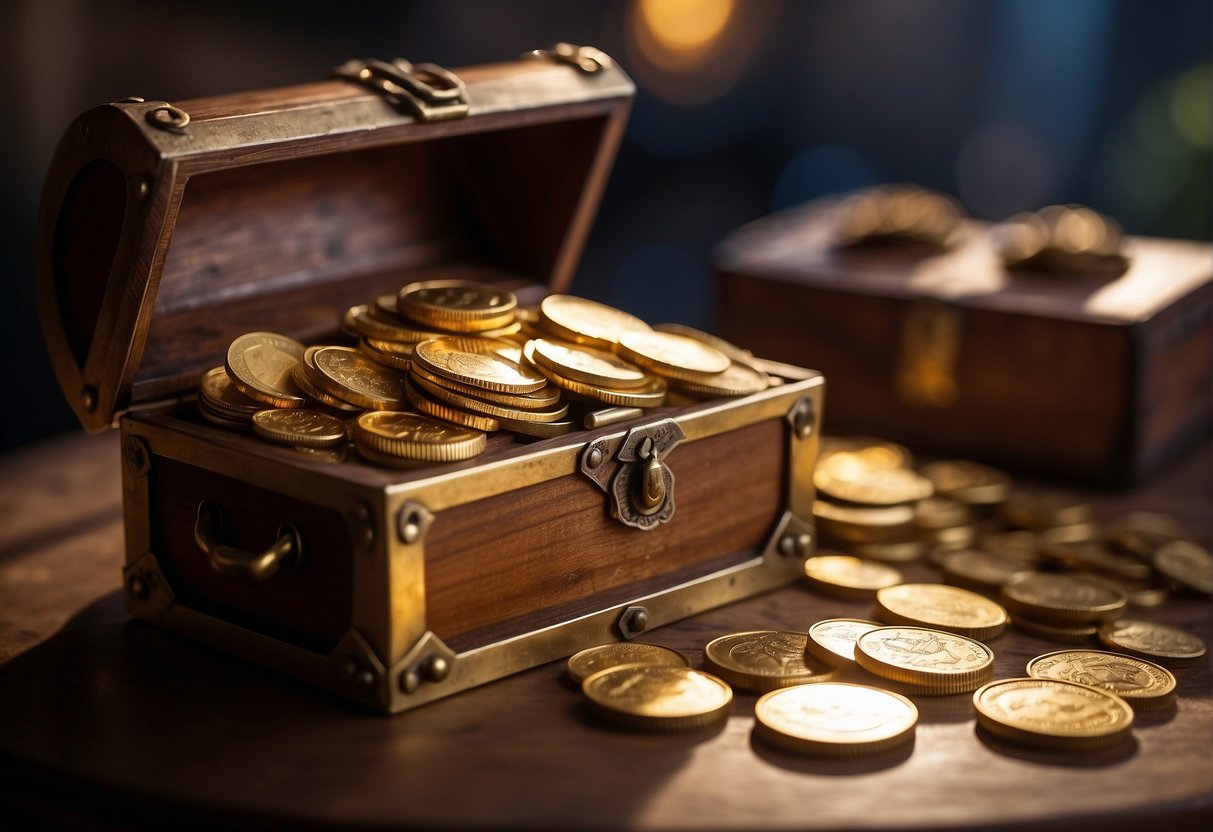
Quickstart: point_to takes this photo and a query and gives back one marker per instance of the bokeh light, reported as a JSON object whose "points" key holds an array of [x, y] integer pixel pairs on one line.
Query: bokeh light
{"points": [[679, 33]]}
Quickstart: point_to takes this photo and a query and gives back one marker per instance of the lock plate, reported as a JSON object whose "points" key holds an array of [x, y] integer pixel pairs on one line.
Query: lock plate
{"points": [[633, 473]]}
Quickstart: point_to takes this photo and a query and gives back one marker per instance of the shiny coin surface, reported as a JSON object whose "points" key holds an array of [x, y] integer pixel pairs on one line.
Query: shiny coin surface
{"points": [[833, 640], [1187, 564], [942, 607], [670, 355], [586, 364], [1051, 713], [1061, 633], [1139, 682], [388, 353], [763, 660], [590, 661], [438, 409], [584, 321], [968, 482], [1063, 598], [871, 486], [650, 394], [849, 577], [260, 365], [303, 373], [488, 363], [937, 661], [1168, 646], [658, 698], [417, 437], [935, 513], [730, 349], [457, 305], [738, 380], [862, 524], [539, 430], [305, 428], [348, 375], [218, 393], [545, 397], [977, 570], [483, 406], [360, 320], [1037, 510], [835, 720]]}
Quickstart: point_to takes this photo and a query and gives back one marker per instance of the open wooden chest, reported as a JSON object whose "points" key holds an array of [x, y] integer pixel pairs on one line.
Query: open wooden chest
{"points": [[166, 231]]}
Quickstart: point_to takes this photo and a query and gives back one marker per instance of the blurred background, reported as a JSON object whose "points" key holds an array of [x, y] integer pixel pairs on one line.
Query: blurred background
{"points": [[742, 108]]}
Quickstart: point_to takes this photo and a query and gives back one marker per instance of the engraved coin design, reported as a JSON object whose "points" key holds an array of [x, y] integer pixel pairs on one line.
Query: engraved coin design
{"points": [[1063, 598], [413, 436], [1052, 713], [672, 355], [848, 576], [459, 305], [943, 607], [587, 364], [583, 321], [1186, 563], [939, 661], [658, 698], [260, 365], [763, 660], [1137, 681], [306, 428], [590, 661], [834, 719], [350, 376], [833, 640], [1168, 646], [481, 362]]}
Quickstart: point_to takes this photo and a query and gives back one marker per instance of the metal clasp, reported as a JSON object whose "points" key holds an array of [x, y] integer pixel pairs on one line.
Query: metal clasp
{"points": [[429, 91], [585, 59], [639, 483]]}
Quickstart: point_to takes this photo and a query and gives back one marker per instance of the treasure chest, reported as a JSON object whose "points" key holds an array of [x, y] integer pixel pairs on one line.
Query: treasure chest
{"points": [[1096, 378], [167, 230]]}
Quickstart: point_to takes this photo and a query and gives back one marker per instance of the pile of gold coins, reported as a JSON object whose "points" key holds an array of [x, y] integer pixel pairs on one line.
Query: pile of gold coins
{"points": [[1030, 559], [442, 363], [1071, 239], [898, 215]]}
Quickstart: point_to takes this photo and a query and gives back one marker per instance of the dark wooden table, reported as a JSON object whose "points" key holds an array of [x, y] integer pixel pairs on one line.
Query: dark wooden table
{"points": [[111, 723]]}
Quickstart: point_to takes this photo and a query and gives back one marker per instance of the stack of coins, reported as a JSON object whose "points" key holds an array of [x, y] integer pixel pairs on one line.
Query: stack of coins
{"points": [[465, 357], [1069, 239], [904, 215]]}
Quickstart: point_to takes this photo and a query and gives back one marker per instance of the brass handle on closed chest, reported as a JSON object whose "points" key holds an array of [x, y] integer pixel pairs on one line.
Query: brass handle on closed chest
{"points": [[238, 563]]}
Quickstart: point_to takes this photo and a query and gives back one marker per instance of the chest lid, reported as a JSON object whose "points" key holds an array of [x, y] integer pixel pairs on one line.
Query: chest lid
{"points": [[166, 231]]}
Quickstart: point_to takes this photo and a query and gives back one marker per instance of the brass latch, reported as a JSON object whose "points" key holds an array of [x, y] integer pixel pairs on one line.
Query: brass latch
{"points": [[585, 59], [632, 471], [430, 92]]}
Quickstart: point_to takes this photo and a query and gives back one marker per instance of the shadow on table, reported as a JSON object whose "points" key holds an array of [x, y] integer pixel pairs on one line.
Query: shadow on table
{"points": [[118, 720]]}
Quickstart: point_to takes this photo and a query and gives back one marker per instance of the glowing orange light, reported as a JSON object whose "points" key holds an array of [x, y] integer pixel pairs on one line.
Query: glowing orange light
{"points": [[686, 28]]}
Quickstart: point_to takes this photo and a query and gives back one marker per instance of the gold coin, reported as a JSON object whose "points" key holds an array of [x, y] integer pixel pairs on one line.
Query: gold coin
{"points": [[949, 540], [738, 380], [382, 460], [1091, 555], [1187, 564], [1063, 599], [1018, 546], [388, 353], [260, 365], [348, 375], [539, 430], [935, 513], [544, 398], [968, 482], [418, 437], [359, 321], [865, 452], [835, 719], [583, 321], [977, 570], [736, 353], [311, 390], [942, 607], [488, 363], [939, 662], [1051, 713], [861, 524], [1036, 510], [839, 477], [1169, 646], [457, 305], [889, 551], [223, 420], [219, 394], [651, 394], [1141, 683], [1063, 633], [849, 577], [586, 364], [588, 662], [673, 356], [306, 428], [656, 698], [477, 405], [763, 660], [441, 410], [833, 640], [1139, 533]]}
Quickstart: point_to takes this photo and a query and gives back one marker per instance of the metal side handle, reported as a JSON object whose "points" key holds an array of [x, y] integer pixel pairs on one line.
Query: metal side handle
{"points": [[237, 563]]}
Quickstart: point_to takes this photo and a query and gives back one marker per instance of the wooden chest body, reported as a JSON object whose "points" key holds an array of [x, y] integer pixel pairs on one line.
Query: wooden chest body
{"points": [[277, 211], [1078, 377]]}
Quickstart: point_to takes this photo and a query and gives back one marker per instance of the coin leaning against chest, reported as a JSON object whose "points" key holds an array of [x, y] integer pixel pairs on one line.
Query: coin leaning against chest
{"points": [[260, 365]]}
